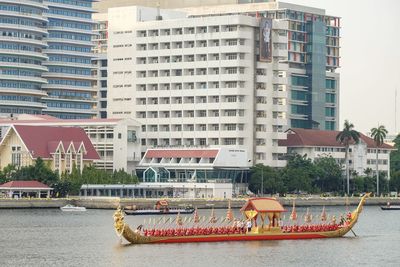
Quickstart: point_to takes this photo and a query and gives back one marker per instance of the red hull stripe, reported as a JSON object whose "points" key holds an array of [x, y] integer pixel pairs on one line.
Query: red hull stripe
{"points": [[239, 238]]}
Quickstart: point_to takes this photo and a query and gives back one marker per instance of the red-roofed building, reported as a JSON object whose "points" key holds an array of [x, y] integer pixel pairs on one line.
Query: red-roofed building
{"points": [[25, 189], [319, 143], [60, 147], [117, 141]]}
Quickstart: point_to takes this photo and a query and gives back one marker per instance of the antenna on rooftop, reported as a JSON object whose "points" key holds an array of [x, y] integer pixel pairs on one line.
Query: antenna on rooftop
{"points": [[158, 17], [395, 111]]}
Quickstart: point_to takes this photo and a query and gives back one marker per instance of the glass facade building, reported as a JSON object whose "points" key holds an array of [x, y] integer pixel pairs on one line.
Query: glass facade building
{"points": [[70, 91], [313, 46], [22, 40]]}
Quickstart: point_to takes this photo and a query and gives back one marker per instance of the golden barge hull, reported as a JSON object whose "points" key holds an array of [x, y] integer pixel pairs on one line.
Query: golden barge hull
{"points": [[132, 237]]}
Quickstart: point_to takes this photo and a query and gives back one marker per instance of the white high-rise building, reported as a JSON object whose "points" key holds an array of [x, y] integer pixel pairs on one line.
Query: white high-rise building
{"points": [[196, 77]]}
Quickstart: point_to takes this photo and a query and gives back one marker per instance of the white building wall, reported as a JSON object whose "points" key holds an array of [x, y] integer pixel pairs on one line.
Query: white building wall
{"points": [[360, 157], [190, 89], [271, 107]]}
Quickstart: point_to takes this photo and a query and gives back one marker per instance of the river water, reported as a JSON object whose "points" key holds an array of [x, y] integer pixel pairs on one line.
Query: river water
{"points": [[50, 237]]}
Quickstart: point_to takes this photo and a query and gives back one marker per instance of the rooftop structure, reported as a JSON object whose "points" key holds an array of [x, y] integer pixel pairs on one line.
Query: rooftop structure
{"points": [[25, 189], [62, 147], [196, 165], [103, 5], [319, 143]]}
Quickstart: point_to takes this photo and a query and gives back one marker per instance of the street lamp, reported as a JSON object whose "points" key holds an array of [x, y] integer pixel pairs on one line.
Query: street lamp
{"points": [[262, 182]]}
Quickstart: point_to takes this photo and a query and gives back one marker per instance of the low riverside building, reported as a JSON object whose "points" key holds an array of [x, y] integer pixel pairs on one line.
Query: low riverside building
{"points": [[196, 165], [61, 148], [318, 143], [159, 190], [18, 189], [184, 172], [116, 140]]}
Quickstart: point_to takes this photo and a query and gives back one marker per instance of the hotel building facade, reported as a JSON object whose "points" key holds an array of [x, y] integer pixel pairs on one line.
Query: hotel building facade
{"points": [[203, 76]]}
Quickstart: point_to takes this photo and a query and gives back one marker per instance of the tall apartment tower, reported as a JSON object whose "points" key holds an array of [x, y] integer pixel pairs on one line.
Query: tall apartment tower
{"points": [[70, 83], [46, 58], [232, 75], [22, 34]]}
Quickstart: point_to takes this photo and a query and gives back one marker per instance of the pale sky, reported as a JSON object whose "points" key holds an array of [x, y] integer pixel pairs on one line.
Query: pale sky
{"points": [[370, 60]]}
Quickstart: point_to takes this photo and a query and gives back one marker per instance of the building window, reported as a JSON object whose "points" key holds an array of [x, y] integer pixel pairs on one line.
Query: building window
{"points": [[16, 155], [68, 159], [79, 161], [57, 159], [230, 141], [202, 142], [132, 136]]}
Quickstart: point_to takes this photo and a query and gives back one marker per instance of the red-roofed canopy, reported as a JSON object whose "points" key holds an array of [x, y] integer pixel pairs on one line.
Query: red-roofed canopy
{"points": [[25, 185], [181, 153], [263, 204]]}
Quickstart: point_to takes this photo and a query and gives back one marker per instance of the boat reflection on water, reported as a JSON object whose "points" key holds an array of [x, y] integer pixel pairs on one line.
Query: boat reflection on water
{"points": [[262, 221]]}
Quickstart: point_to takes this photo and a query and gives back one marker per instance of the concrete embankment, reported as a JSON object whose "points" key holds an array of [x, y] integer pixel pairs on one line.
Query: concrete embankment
{"points": [[112, 203], [27, 203]]}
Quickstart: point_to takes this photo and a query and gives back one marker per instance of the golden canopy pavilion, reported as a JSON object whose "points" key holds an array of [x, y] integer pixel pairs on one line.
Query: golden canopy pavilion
{"points": [[258, 209]]}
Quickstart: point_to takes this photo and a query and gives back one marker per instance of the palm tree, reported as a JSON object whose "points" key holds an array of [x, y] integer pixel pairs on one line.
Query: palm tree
{"points": [[345, 137], [379, 135]]}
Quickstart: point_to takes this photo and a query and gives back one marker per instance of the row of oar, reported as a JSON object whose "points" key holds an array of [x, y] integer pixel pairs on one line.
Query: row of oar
{"points": [[203, 221]]}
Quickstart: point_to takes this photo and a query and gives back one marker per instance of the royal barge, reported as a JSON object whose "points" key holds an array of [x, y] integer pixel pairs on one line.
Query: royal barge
{"points": [[254, 226]]}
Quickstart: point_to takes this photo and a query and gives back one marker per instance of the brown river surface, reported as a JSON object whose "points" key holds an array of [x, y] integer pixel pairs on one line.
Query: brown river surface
{"points": [[50, 237]]}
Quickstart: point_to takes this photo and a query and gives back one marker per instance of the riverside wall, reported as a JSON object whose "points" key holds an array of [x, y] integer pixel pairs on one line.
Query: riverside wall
{"points": [[113, 202]]}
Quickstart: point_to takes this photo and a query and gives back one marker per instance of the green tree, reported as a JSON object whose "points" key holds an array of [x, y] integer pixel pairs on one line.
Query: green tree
{"points": [[123, 177], [369, 184], [395, 181], [38, 172], [378, 134], [298, 174], [62, 188], [272, 182], [359, 185], [91, 175], [345, 137], [368, 171], [328, 174], [73, 180], [383, 182], [395, 156], [7, 173]]}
